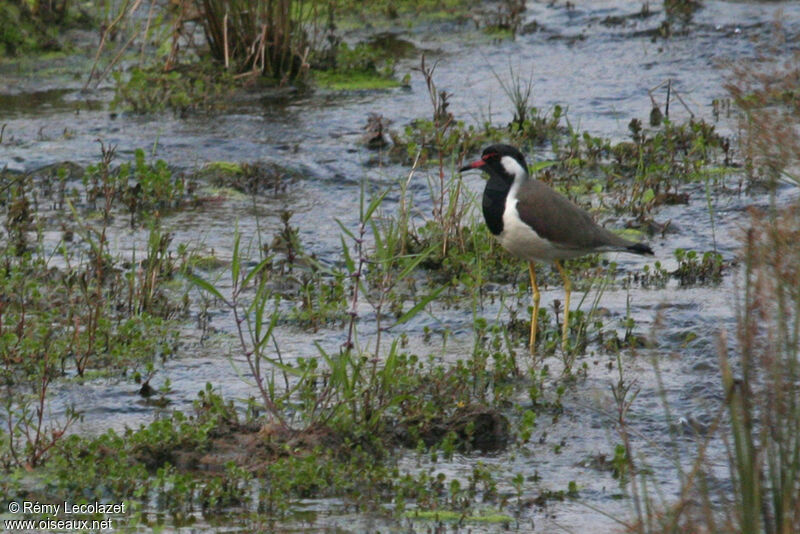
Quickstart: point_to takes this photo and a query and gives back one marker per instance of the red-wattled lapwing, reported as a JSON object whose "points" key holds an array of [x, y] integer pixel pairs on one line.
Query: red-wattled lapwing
{"points": [[535, 223]]}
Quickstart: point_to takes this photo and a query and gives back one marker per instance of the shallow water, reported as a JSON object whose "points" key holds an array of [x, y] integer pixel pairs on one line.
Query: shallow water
{"points": [[601, 73]]}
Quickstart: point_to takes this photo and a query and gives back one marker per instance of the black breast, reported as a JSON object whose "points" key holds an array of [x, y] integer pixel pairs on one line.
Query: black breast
{"points": [[494, 204]]}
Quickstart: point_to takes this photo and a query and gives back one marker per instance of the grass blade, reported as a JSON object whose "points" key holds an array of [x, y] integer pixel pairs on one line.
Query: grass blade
{"points": [[418, 306], [206, 286]]}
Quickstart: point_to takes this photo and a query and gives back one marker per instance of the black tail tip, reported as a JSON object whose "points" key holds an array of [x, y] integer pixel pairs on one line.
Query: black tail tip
{"points": [[641, 248]]}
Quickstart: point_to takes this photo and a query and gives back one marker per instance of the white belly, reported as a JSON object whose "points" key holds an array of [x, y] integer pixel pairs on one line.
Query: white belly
{"points": [[523, 242]]}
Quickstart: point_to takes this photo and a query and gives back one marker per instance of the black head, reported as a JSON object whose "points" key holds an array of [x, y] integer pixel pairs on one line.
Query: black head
{"points": [[502, 161]]}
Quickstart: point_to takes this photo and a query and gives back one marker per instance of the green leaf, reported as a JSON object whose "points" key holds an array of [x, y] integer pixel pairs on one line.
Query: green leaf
{"points": [[256, 309], [294, 371], [539, 165], [419, 306], [374, 205], [345, 229], [236, 261], [257, 269], [274, 362], [419, 257], [273, 321], [348, 259], [377, 236], [206, 286], [318, 266]]}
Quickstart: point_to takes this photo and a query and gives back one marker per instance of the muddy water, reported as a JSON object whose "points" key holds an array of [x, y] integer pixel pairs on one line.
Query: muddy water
{"points": [[600, 69]]}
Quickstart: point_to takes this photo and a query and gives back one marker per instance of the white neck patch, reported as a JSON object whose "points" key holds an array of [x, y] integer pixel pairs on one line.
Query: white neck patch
{"points": [[513, 168]]}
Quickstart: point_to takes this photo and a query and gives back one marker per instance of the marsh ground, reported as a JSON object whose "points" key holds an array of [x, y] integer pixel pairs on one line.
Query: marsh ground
{"points": [[653, 334]]}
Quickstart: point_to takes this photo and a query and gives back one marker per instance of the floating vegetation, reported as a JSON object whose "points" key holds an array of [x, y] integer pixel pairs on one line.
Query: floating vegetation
{"points": [[365, 66], [249, 178], [694, 268], [151, 89]]}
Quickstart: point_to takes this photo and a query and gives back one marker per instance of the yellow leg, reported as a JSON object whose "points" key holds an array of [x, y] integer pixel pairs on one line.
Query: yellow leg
{"points": [[567, 291], [535, 314]]}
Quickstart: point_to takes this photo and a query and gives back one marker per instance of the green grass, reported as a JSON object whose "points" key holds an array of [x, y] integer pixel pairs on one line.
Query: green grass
{"points": [[447, 515], [354, 81], [496, 32], [226, 167]]}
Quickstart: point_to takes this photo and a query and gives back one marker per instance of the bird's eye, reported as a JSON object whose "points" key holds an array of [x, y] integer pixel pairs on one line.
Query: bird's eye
{"points": [[490, 155]]}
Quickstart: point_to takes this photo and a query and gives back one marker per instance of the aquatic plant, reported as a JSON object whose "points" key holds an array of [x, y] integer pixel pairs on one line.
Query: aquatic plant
{"points": [[33, 355], [755, 420], [762, 409], [502, 20], [149, 89], [149, 190], [267, 36], [693, 268], [86, 311], [360, 67], [360, 393], [35, 25], [764, 90]]}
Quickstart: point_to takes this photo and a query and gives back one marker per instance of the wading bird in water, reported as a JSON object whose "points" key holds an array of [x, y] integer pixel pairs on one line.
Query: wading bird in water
{"points": [[535, 223]]}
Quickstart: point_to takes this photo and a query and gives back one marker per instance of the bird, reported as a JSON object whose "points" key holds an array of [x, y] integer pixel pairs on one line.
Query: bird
{"points": [[537, 224]]}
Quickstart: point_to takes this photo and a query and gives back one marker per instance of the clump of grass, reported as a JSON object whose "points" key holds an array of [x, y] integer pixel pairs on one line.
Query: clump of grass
{"points": [[35, 25], [244, 41], [647, 172], [277, 41], [355, 391], [148, 190], [758, 417], [89, 311], [761, 403], [54, 324], [758, 420], [360, 67], [766, 93], [178, 466], [693, 268], [264, 36], [251, 178], [503, 21], [150, 89]]}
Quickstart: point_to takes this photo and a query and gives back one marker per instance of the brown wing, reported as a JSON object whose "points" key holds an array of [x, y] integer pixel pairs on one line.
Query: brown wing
{"points": [[561, 222]]}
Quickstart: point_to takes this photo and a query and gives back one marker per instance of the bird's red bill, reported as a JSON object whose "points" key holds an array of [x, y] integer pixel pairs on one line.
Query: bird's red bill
{"points": [[473, 165], [480, 163]]}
